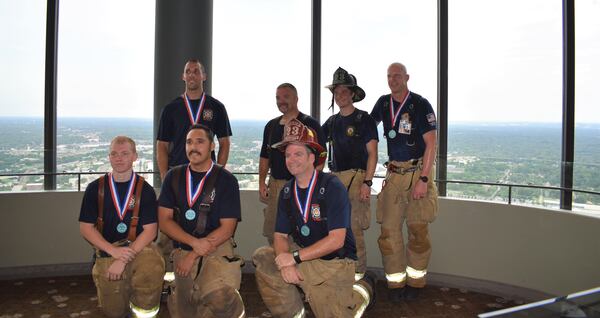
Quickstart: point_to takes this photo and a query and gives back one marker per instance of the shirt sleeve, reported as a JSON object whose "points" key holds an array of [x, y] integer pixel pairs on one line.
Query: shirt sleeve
{"points": [[149, 207], [264, 149], [338, 205], [229, 203], [376, 112], [165, 126], [370, 129], [325, 127], [222, 125], [89, 204], [282, 222], [166, 198], [426, 120]]}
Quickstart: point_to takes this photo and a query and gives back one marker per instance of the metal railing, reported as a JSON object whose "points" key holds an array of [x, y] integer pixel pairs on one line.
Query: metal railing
{"points": [[510, 186]]}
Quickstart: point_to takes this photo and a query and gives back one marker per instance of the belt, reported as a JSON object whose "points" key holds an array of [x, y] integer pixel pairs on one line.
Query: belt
{"points": [[402, 170]]}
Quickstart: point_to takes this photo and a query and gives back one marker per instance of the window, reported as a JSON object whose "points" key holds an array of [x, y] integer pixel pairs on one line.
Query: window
{"points": [[586, 174], [258, 45], [105, 84], [505, 98], [22, 61], [364, 39]]}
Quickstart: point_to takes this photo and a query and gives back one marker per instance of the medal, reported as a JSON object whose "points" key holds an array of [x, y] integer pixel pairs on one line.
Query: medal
{"points": [[191, 193], [188, 106], [304, 209], [121, 227], [305, 230], [394, 116], [190, 214], [121, 206]]}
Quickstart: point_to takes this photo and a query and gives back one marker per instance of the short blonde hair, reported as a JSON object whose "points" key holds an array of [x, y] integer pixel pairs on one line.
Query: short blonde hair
{"points": [[122, 140]]}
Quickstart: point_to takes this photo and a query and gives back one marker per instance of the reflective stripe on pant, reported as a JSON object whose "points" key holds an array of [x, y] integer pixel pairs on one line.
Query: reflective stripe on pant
{"points": [[270, 211], [140, 286], [210, 292], [361, 213], [328, 286], [394, 206]]}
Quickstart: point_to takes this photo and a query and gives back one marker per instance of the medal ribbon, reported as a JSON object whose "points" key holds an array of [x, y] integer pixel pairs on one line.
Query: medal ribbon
{"points": [[394, 117], [121, 207], [188, 106], [192, 195], [311, 187]]}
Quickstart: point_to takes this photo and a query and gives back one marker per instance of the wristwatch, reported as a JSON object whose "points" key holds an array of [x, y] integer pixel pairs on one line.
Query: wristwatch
{"points": [[424, 178], [368, 182], [296, 255]]}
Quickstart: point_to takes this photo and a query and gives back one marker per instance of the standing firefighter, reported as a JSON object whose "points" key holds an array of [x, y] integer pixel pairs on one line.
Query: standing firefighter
{"points": [[271, 161], [118, 217], [199, 208], [352, 138], [314, 210], [409, 193]]}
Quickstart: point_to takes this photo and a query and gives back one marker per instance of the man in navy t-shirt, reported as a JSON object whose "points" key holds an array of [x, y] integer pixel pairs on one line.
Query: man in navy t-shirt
{"points": [[199, 208], [409, 193], [314, 210], [119, 218]]}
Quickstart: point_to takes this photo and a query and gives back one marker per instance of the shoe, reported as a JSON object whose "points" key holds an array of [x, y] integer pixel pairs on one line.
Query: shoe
{"points": [[396, 295], [411, 293], [371, 279]]}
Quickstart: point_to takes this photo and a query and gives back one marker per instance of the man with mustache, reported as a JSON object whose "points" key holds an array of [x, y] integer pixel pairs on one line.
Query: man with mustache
{"points": [[273, 162], [199, 207]]}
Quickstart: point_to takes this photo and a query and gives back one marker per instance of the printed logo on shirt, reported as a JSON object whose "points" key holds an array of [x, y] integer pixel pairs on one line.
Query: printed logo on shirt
{"points": [[315, 212], [431, 119], [207, 114], [350, 131]]}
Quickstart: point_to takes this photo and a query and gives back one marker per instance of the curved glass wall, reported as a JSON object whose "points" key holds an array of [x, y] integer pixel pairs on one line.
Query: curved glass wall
{"points": [[505, 99], [22, 61]]}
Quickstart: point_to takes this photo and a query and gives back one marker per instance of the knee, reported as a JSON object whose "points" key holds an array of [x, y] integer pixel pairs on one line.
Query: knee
{"points": [[225, 302], [263, 255]]}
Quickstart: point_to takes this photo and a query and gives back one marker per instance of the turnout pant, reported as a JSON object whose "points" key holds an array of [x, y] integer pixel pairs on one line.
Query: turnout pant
{"points": [[270, 211], [328, 285], [139, 288], [210, 290], [405, 264], [361, 213]]}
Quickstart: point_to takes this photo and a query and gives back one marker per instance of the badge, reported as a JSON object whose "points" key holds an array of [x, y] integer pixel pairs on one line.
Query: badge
{"points": [[190, 214], [392, 134], [315, 212], [304, 230], [405, 126], [207, 114], [132, 203], [350, 131], [121, 227]]}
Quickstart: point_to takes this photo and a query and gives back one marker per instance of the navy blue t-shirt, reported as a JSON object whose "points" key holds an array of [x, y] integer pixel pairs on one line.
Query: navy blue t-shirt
{"points": [[273, 133], [89, 208], [415, 119], [350, 136], [226, 204], [322, 218], [175, 122]]}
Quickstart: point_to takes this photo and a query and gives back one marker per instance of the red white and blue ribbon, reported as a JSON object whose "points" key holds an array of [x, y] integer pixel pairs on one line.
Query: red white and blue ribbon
{"points": [[194, 192], [394, 117], [311, 187], [188, 106], [121, 206]]}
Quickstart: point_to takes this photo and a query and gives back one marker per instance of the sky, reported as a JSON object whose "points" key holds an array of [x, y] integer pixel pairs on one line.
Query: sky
{"points": [[505, 65]]}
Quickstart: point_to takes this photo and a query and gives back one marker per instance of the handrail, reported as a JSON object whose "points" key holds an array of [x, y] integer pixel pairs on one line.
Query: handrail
{"points": [[509, 185]]}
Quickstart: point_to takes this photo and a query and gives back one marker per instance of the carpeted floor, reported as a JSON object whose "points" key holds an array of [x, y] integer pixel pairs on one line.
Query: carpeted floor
{"points": [[75, 296]]}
